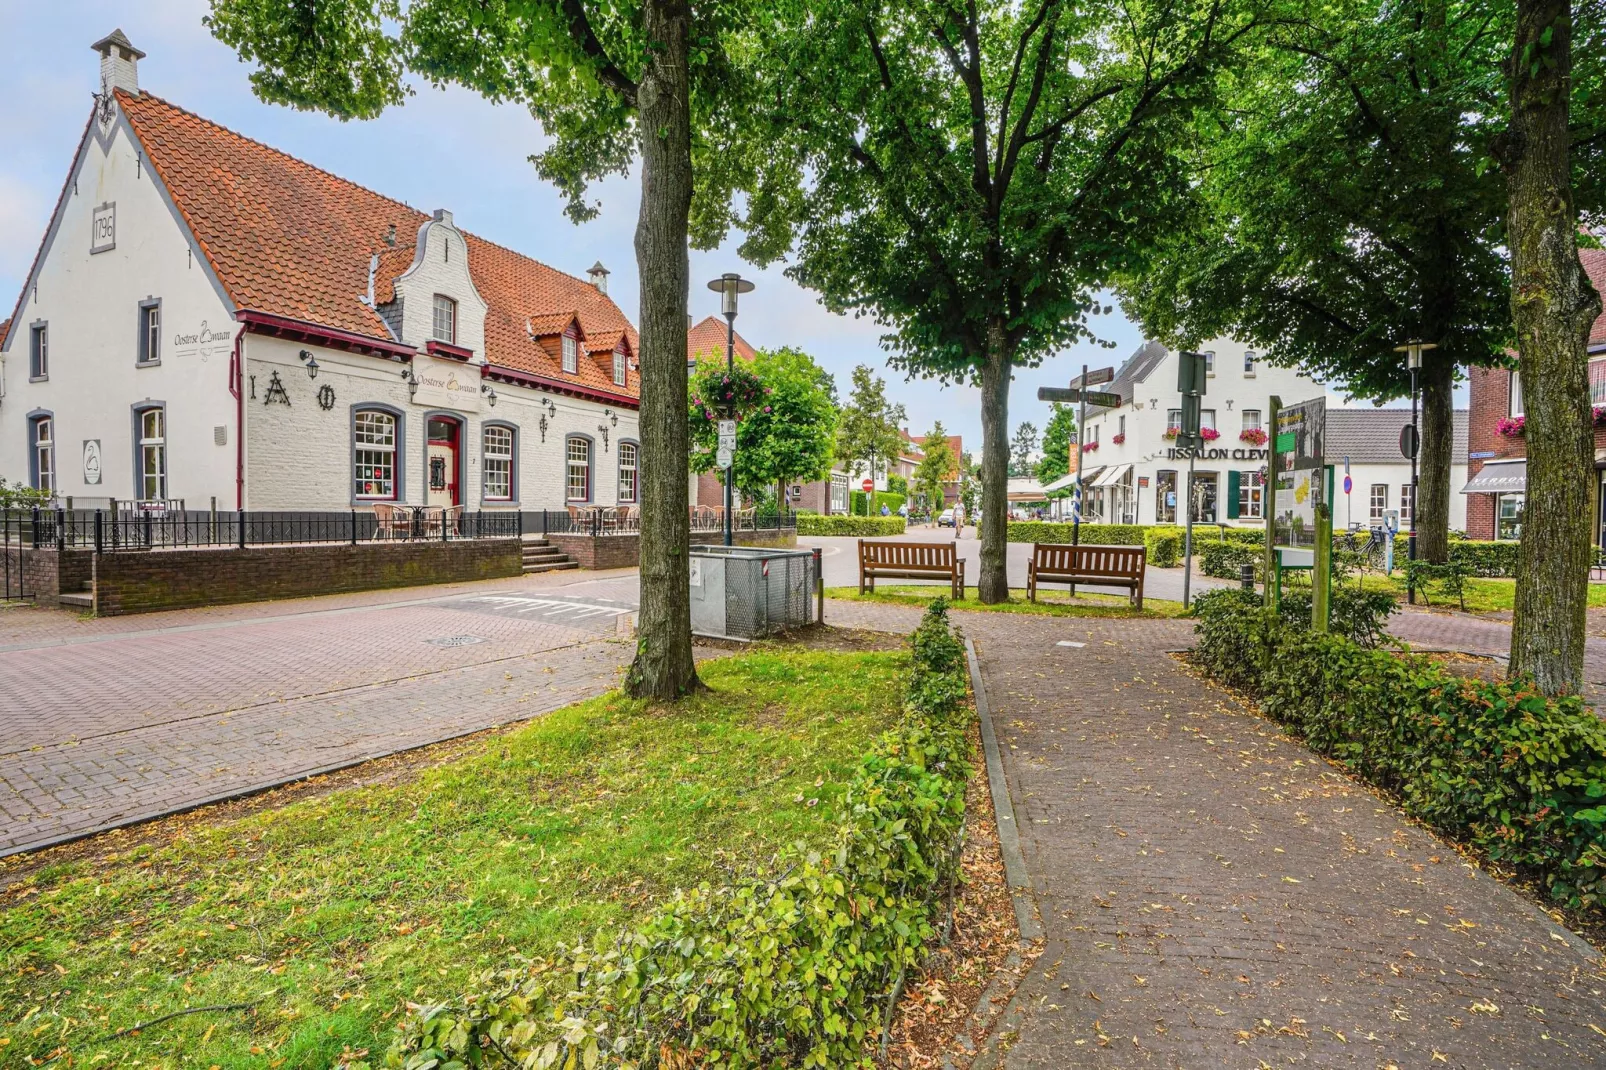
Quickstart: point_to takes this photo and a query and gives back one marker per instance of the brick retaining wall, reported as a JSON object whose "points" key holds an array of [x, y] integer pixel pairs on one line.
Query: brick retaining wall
{"points": [[176, 579]]}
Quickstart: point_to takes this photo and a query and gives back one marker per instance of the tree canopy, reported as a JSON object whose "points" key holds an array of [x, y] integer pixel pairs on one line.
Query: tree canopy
{"points": [[1021, 448], [937, 466], [868, 433], [1058, 439], [785, 432]]}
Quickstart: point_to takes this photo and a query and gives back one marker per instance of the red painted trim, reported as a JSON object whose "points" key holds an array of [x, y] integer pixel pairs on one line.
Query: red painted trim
{"points": [[445, 349], [556, 386], [331, 337]]}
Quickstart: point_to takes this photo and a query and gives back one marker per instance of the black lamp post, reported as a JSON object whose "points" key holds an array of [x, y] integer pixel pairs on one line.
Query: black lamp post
{"points": [[1413, 351], [728, 286]]}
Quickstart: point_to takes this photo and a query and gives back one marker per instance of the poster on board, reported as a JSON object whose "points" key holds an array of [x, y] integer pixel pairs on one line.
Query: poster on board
{"points": [[1301, 470]]}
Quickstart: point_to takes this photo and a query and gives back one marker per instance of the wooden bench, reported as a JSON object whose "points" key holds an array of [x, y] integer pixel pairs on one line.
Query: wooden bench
{"points": [[911, 561], [1103, 566]]}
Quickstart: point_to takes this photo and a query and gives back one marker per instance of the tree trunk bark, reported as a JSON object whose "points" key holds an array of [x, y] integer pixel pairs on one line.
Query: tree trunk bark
{"points": [[992, 582], [663, 668], [1432, 506], [1552, 305]]}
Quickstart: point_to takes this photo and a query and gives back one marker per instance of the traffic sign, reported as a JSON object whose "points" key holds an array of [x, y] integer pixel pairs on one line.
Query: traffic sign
{"points": [[727, 427], [724, 458], [868, 485], [727, 442], [1349, 484], [1408, 442]]}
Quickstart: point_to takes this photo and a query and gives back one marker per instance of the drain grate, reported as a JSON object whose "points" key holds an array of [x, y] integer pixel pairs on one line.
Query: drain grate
{"points": [[457, 640]]}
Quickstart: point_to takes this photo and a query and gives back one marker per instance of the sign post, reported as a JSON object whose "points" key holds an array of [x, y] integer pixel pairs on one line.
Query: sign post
{"points": [[1304, 489], [1191, 378], [1081, 395], [1269, 487]]}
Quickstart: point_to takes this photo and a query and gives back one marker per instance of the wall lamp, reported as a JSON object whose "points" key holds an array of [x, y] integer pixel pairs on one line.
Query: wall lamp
{"points": [[490, 393], [411, 380], [311, 362]]}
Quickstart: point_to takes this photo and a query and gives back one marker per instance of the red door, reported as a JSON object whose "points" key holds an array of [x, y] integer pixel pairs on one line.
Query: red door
{"points": [[441, 479]]}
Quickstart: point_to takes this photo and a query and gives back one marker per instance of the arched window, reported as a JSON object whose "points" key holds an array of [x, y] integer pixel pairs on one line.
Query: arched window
{"points": [[374, 454], [628, 471], [577, 481], [150, 459], [499, 445], [42, 452]]}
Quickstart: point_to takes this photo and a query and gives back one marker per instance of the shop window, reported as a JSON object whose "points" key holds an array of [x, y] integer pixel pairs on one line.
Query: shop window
{"points": [[42, 441], [1165, 497], [150, 332], [498, 463], [152, 459], [627, 473], [1508, 516], [374, 454], [445, 325], [1379, 502], [578, 481]]}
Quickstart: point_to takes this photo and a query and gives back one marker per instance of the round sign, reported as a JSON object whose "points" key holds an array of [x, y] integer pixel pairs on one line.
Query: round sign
{"points": [[1408, 442], [869, 485], [1349, 484]]}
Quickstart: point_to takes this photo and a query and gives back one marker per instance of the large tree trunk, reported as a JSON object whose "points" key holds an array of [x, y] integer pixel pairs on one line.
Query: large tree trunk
{"points": [[1432, 507], [1552, 305], [992, 582], [663, 668]]}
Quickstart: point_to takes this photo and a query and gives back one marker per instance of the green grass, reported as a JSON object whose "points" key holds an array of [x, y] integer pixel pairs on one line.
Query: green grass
{"points": [[333, 912], [1054, 603], [1484, 595]]}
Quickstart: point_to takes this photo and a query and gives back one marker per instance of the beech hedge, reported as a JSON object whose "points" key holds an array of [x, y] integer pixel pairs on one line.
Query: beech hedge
{"points": [[864, 527], [1495, 765], [790, 969]]}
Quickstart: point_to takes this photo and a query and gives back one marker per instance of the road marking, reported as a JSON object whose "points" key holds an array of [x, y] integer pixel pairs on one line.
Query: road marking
{"points": [[551, 607], [1067, 642]]}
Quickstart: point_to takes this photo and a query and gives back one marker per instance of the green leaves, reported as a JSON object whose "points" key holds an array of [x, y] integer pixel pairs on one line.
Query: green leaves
{"points": [[786, 411]]}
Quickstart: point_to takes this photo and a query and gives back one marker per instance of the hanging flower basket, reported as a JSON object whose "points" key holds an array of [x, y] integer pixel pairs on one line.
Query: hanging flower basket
{"points": [[1209, 434], [1172, 432], [1255, 436], [1117, 439], [1511, 427], [716, 392]]}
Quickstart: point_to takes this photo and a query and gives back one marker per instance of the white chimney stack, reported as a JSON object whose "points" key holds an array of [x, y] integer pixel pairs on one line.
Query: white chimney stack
{"points": [[119, 63], [599, 277]]}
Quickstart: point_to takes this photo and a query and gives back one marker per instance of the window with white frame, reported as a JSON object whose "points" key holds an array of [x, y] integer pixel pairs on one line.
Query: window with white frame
{"points": [[498, 472], [1210, 361], [1407, 504], [44, 454], [627, 473], [153, 455], [839, 492], [1207, 418], [39, 351], [1379, 502], [150, 332], [578, 483], [1251, 493], [1120, 426], [1173, 420], [1508, 516], [445, 325], [1091, 438], [621, 367], [571, 354], [1251, 419], [1515, 395], [1249, 364], [373, 440], [1597, 380]]}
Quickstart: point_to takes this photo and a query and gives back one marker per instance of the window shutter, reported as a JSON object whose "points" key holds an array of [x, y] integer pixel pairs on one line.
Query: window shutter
{"points": [[1233, 480]]}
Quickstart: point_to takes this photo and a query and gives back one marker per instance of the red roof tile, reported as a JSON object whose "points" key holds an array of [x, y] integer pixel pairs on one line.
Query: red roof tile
{"points": [[707, 338], [289, 239]]}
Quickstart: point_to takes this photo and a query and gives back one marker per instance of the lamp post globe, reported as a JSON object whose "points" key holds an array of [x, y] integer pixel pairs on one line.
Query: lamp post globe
{"points": [[729, 286]]}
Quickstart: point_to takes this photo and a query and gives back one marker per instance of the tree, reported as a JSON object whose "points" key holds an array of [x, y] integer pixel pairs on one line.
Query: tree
{"points": [[1022, 448], [1553, 306], [785, 433], [867, 434], [1058, 439], [975, 172], [969, 484], [605, 80], [937, 467]]}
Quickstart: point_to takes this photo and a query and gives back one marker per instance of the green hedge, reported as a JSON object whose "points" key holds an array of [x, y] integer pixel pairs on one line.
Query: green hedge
{"points": [[1496, 765], [1134, 535], [1165, 548], [882, 497], [864, 527], [1223, 559], [786, 970]]}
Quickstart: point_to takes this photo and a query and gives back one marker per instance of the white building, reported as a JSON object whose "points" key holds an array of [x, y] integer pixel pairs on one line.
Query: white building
{"points": [[210, 319], [1365, 444], [1131, 472]]}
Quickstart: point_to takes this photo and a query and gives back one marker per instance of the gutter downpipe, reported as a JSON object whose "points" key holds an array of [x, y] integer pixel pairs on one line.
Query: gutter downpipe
{"points": [[237, 388]]}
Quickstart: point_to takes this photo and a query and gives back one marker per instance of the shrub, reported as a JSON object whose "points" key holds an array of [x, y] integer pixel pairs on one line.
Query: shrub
{"points": [[882, 497], [1448, 580], [865, 527], [787, 970], [1497, 765], [1223, 559], [1165, 548]]}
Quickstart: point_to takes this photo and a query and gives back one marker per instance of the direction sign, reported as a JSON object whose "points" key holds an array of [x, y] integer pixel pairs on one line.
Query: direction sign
{"points": [[1094, 378], [727, 427], [724, 458], [1072, 394]]}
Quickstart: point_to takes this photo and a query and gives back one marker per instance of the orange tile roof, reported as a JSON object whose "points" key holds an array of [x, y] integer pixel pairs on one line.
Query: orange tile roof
{"points": [[708, 338], [289, 239]]}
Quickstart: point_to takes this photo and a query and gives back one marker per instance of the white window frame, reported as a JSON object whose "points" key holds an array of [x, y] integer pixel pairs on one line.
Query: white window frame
{"points": [[1508, 528], [1210, 362], [1378, 502], [498, 467], [1249, 364], [1173, 420], [621, 367], [39, 351], [372, 451], [629, 472], [44, 453], [577, 467], [1407, 504], [1251, 496], [444, 308], [1251, 419], [571, 354], [1120, 425], [839, 492], [1514, 395], [1207, 418], [152, 457]]}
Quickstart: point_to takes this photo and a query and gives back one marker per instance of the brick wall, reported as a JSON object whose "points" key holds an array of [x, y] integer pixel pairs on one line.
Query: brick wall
{"points": [[44, 574], [174, 579]]}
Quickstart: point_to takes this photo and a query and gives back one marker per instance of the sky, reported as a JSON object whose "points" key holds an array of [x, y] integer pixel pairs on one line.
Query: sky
{"points": [[442, 149]]}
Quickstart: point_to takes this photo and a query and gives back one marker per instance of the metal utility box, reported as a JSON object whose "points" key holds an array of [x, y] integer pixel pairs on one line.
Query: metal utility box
{"points": [[747, 592]]}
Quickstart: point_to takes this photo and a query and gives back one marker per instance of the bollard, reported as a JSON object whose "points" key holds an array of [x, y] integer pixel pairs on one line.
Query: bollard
{"points": [[1246, 577]]}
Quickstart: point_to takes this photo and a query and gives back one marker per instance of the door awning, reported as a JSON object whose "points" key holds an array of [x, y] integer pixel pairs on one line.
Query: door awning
{"points": [[1061, 483], [1499, 477], [1111, 475], [1090, 478]]}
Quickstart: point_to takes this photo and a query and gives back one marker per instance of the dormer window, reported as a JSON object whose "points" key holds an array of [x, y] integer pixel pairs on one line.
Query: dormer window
{"points": [[619, 366], [571, 354], [445, 320]]}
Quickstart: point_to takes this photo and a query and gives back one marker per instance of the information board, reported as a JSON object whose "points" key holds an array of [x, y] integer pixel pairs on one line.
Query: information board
{"points": [[1301, 471]]}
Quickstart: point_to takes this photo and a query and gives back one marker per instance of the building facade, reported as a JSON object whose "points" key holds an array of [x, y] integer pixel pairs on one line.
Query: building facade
{"points": [[1364, 444], [211, 321], [1496, 492]]}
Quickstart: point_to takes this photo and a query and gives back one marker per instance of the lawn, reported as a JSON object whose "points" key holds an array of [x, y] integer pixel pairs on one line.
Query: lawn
{"points": [[329, 914], [1049, 603], [1484, 595]]}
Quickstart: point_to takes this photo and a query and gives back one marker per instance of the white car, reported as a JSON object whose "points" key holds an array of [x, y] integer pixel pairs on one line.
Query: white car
{"points": [[945, 519]]}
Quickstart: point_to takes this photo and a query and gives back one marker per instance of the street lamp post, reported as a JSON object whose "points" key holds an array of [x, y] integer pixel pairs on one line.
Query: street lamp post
{"points": [[1413, 360], [728, 286]]}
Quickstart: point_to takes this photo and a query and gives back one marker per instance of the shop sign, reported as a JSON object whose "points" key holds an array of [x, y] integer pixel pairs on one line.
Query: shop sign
{"points": [[202, 342], [446, 384], [1242, 453]]}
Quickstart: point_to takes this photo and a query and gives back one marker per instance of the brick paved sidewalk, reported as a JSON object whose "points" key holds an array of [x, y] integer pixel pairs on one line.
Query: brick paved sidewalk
{"points": [[1216, 895]]}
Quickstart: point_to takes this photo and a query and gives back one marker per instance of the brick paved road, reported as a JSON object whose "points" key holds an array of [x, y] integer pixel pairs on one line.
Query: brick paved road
{"points": [[101, 727], [1216, 895]]}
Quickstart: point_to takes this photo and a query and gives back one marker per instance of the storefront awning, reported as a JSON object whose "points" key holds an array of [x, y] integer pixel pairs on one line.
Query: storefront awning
{"points": [[1112, 475], [1499, 477], [1091, 476], [1061, 483]]}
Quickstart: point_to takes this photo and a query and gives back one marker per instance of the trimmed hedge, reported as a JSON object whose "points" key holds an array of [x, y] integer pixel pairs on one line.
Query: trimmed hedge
{"points": [[890, 498], [1165, 548], [864, 527], [1496, 765], [787, 970], [1223, 559], [1135, 535]]}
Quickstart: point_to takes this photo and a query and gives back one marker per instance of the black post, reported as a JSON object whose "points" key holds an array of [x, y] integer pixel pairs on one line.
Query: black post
{"points": [[100, 542], [819, 587], [36, 527], [240, 527], [354, 527], [61, 529], [147, 526], [730, 413], [1410, 542]]}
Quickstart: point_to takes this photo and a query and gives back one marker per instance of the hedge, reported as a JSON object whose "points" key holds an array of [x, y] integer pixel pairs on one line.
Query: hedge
{"points": [[793, 969], [862, 526], [1135, 535], [1497, 765], [1165, 548], [889, 498], [1223, 559]]}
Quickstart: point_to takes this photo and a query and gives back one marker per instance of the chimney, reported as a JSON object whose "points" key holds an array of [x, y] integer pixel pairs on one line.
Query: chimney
{"points": [[119, 63], [443, 216], [599, 277]]}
